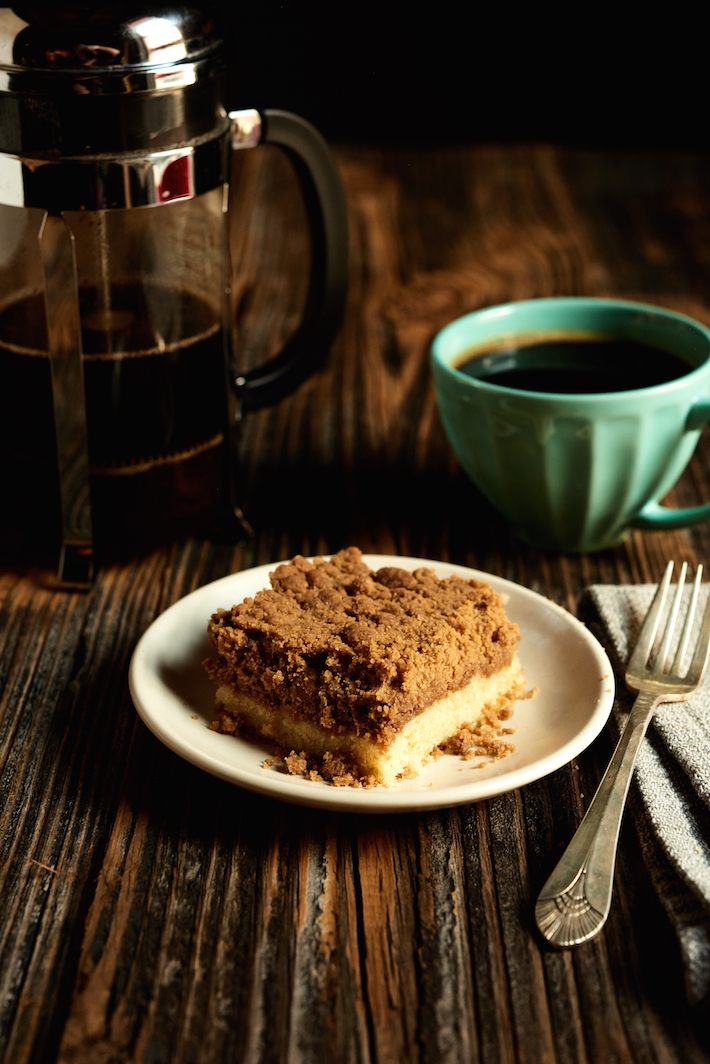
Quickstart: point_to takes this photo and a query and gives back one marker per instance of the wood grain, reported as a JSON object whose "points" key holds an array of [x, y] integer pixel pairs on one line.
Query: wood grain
{"points": [[152, 913]]}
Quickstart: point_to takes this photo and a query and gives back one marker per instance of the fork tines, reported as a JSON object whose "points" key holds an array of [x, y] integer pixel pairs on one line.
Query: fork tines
{"points": [[640, 659]]}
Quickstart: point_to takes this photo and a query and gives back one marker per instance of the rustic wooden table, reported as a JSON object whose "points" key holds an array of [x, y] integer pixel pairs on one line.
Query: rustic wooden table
{"points": [[151, 912]]}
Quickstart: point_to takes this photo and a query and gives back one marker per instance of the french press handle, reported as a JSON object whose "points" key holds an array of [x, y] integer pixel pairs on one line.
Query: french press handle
{"points": [[323, 196]]}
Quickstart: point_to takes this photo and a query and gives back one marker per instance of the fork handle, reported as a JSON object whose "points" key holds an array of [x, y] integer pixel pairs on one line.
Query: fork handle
{"points": [[574, 903]]}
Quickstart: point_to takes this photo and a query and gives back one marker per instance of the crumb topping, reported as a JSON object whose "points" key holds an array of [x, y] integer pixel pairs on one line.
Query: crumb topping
{"points": [[356, 650], [329, 768]]}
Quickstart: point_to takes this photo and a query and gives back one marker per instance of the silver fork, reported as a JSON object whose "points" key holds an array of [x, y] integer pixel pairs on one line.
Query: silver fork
{"points": [[575, 902]]}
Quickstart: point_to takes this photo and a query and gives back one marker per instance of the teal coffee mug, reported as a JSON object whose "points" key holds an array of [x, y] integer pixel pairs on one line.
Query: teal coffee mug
{"points": [[575, 416]]}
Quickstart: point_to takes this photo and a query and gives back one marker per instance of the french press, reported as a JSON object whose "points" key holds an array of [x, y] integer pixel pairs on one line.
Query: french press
{"points": [[119, 393]]}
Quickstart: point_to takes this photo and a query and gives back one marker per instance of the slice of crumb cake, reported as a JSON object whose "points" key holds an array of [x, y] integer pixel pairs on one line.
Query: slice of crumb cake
{"points": [[365, 676]]}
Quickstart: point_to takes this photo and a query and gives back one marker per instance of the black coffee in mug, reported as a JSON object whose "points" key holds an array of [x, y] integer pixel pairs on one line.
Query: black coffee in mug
{"points": [[574, 364]]}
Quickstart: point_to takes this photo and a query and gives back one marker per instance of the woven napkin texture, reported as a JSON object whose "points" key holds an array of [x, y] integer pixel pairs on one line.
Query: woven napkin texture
{"points": [[671, 807]]}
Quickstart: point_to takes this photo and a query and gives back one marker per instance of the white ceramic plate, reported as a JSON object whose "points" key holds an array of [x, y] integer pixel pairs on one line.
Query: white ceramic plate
{"points": [[174, 697]]}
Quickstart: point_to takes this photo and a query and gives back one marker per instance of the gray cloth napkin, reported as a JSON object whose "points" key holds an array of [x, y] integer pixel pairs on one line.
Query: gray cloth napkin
{"points": [[671, 803]]}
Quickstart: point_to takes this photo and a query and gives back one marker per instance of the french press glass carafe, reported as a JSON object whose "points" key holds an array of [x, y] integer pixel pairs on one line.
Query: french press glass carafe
{"points": [[118, 393]]}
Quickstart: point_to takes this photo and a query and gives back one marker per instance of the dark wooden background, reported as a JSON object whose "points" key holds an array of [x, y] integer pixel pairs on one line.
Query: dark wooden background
{"points": [[398, 73], [149, 912]]}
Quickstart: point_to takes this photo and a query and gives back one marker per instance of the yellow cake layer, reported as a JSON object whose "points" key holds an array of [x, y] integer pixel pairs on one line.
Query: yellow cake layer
{"points": [[407, 753]]}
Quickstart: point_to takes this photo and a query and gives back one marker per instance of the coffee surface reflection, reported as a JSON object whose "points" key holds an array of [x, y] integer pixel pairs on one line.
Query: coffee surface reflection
{"points": [[575, 365]]}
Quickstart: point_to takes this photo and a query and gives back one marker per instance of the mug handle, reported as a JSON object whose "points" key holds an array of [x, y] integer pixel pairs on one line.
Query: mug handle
{"points": [[654, 517], [325, 207]]}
